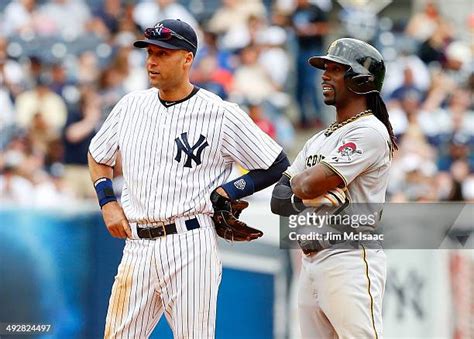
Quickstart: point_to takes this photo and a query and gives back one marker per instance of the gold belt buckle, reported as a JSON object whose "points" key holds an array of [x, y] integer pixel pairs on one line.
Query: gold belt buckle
{"points": [[158, 225], [150, 236], [164, 230]]}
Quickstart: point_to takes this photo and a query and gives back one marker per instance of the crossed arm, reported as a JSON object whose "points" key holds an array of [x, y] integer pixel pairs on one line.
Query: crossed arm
{"points": [[315, 181], [288, 196]]}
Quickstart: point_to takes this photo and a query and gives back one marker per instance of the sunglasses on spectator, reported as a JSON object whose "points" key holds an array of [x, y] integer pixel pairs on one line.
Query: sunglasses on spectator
{"points": [[165, 33]]}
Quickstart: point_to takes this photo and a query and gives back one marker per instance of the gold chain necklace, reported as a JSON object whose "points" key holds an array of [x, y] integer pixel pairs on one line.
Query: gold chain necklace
{"points": [[335, 125]]}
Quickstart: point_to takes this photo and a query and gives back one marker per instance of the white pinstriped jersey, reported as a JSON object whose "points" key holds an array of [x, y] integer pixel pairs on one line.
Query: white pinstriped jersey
{"points": [[174, 156], [359, 152]]}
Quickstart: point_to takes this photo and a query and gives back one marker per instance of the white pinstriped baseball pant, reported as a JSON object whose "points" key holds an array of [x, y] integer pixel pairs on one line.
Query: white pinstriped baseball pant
{"points": [[178, 275]]}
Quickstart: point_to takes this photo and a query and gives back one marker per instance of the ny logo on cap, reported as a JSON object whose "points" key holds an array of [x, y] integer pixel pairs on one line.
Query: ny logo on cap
{"points": [[159, 27], [184, 147]]}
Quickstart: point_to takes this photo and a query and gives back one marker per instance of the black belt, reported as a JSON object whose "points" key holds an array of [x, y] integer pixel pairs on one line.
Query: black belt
{"points": [[160, 231], [354, 244]]}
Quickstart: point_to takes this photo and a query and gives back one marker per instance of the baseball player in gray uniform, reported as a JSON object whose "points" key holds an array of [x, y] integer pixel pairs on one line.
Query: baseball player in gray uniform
{"points": [[341, 289], [177, 144]]}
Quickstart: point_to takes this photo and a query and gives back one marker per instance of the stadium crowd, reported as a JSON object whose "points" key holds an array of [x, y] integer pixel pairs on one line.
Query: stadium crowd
{"points": [[65, 63]]}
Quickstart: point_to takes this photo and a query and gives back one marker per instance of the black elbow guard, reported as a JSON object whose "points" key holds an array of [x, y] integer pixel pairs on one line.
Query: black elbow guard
{"points": [[284, 202]]}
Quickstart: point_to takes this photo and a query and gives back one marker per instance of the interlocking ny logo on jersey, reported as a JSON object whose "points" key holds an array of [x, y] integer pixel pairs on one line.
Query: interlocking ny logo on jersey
{"points": [[184, 147]]}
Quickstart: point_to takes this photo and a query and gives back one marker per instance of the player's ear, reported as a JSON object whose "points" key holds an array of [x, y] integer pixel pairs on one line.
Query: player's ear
{"points": [[188, 59]]}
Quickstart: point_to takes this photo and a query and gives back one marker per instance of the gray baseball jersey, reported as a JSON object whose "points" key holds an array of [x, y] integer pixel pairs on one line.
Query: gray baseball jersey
{"points": [[358, 152]]}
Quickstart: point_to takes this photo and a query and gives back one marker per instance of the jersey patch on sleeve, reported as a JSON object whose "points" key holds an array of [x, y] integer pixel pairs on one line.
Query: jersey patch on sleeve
{"points": [[240, 184], [346, 152]]}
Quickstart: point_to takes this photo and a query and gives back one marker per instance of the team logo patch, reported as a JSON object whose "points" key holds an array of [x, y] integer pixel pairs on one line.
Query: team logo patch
{"points": [[347, 151], [240, 184], [159, 27], [184, 147]]}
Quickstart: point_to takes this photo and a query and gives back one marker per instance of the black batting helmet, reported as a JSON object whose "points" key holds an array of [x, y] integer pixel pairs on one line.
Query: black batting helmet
{"points": [[366, 67]]}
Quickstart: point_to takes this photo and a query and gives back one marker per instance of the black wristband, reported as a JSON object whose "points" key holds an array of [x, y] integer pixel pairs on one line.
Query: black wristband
{"points": [[297, 203], [105, 191]]}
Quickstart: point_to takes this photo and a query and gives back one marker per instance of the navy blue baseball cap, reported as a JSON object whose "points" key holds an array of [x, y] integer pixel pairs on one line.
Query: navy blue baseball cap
{"points": [[170, 33]]}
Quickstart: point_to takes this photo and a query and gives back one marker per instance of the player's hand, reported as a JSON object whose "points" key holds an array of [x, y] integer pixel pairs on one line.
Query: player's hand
{"points": [[333, 198], [116, 221]]}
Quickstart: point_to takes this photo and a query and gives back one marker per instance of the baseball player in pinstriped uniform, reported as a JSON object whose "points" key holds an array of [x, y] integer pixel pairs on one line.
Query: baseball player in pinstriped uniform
{"points": [[177, 144], [341, 287]]}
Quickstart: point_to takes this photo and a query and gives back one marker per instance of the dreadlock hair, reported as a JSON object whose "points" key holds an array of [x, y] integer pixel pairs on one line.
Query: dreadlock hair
{"points": [[376, 104]]}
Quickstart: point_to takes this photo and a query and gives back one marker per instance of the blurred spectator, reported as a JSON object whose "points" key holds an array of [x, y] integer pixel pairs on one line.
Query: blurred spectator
{"points": [[59, 79], [423, 25], [451, 130], [237, 22], [7, 117], [35, 69], [41, 106], [407, 85], [24, 181], [97, 27], [398, 114], [311, 25], [66, 18], [88, 70], [110, 88], [12, 77], [406, 70], [412, 172], [271, 121], [234, 14], [7, 112], [20, 17], [442, 118], [459, 62], [445, 186], [273, 56], [459, 172], [280, 18], [40, 133], [255, 111], [467, 189], [441, 87], [109, 12], [405, 114], [251, 80], [148, 12], [244, 34], [53, 191], [209, 46], [208, 75], [360, 20], [14, 189], [256, 25], [78, 132], [127, 28], [133, 77], [432, 32]]}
